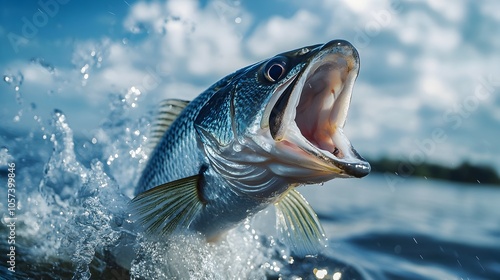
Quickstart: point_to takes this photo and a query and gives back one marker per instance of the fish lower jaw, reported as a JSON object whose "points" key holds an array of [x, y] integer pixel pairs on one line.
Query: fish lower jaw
{"points": [[316, 162]]}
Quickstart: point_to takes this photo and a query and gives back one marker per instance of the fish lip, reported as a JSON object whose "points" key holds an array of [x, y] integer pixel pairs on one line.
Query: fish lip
{"points": [[290, 129], [357, 170], [361, 169]]}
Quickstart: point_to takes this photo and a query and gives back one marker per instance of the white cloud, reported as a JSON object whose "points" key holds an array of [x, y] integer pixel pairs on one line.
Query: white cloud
{"points": [[490, 9], [361, 7], [219, 52], [183, 8], [421, 29], [453, 11], [278, 34], [181, 90], [142, 12], [396, 58], [435, 91], [434, 83], [184, 47], [104, 67], [376, 109], [199, 41], [36, 74]]}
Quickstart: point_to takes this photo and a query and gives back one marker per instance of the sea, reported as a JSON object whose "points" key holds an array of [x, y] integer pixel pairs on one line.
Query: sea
{"points": [[63, 205]]}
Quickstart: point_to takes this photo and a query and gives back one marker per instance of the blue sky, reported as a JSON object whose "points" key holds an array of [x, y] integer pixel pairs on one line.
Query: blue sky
{"points": [[428, 87]]}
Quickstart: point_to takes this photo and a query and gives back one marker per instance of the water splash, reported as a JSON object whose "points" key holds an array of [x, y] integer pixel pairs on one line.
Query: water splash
{"points": [[89, 204], [5, 157], [123, 136], [241, 255], [89, 57], [132, 96], [97, 225], [15, 80], [63, 174], [47, 66]]}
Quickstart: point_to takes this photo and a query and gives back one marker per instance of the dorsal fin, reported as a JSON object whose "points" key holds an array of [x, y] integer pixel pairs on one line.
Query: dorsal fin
{"points": [[168, 110]]}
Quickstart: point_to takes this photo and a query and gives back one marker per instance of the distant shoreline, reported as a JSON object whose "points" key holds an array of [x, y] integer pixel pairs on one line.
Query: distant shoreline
{"points": [[465, 172]]}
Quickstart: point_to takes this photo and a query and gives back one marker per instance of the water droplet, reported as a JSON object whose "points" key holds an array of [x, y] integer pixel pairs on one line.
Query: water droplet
{"points": [[237, 148], [139, 28], [15, 80], [397, 249], [320, 273], [132, 96], [302, 52], [84, 68], [47, 66], [58, 113]]}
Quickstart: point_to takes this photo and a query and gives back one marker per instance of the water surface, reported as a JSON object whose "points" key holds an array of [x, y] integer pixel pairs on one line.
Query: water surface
{"points": [[72, 220]]}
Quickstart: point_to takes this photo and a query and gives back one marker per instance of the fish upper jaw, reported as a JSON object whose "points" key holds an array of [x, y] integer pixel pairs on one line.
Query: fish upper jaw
{"points": [[307, 115]]}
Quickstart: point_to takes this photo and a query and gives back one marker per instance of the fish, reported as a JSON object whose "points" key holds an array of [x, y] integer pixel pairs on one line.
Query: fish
{"points": [[248, 142]]}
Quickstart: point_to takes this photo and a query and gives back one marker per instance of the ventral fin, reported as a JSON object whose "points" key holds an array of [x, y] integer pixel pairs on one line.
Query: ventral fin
{"points": [[298, 225], [168, 110], [167, 208]]}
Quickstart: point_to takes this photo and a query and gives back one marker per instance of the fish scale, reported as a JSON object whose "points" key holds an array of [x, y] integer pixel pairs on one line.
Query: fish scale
{"points": [[170, 153]]}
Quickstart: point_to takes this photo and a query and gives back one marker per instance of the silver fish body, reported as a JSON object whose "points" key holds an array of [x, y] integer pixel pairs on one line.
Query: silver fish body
{"points": [[248, 141]]}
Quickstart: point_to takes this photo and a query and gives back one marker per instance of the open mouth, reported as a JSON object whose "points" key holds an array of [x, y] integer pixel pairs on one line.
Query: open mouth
{"points": [[310, 112]]}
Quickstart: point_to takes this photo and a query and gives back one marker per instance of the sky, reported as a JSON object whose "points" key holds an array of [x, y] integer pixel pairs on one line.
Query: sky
{"points": [[428, 88]]}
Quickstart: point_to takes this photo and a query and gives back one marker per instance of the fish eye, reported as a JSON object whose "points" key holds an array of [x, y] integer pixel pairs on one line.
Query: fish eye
{"points": [[275, 69]]}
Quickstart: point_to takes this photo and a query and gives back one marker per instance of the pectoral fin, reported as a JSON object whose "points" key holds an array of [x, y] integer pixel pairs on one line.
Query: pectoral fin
{"points": [[298, 224], [168, 207]]}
